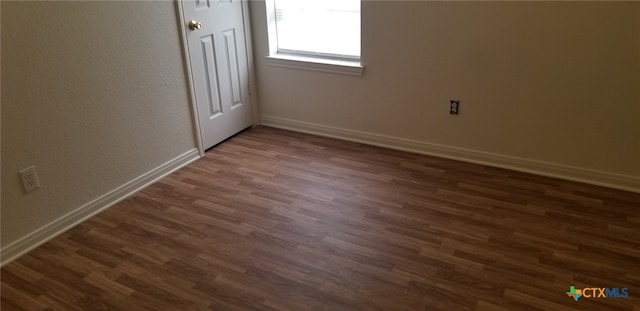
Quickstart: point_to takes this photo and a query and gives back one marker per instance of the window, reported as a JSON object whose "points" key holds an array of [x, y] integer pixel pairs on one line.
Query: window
{"points": [[315, 31]]}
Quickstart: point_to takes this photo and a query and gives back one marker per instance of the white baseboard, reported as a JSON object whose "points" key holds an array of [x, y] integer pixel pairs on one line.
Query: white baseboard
{"points": [[66, 222], [606, 179]]}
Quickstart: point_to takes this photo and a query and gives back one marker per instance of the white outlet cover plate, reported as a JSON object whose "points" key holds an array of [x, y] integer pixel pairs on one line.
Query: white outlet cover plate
{"points": [[29, 179]]}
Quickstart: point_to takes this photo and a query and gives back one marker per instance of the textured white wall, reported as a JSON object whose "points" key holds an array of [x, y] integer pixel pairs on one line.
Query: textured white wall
{"points": [[553, 82], [94, 95]]}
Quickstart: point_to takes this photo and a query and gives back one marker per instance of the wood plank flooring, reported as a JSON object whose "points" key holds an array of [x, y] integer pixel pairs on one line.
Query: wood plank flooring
{"points": [[276, 220]]}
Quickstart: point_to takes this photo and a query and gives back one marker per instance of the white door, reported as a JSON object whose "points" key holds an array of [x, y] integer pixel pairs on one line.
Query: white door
{"points": [[217, 53]]}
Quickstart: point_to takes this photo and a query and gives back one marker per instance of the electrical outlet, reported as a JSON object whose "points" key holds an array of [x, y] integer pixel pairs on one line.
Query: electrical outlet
{"points": [[454, 107], [29, 179]]}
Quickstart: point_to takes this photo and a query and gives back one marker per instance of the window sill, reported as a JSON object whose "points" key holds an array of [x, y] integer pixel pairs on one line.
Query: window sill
{"points": [[316, 64]]}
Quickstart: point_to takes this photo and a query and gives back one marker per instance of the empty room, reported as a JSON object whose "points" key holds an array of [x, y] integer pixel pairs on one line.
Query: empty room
{"points": [[320, 155]]}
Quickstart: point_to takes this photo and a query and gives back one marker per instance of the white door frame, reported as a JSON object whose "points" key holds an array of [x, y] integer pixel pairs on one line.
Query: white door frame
{"points": [[187, 63]]}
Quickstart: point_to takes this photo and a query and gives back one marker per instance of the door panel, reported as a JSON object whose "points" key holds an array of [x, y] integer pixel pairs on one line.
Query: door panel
{"points": [[202, 4], [218, 59], [232, 66], [211, 77]]}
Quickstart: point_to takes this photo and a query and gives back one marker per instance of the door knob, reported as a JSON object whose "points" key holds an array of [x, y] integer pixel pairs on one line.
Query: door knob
{"points": [[195, 25]]}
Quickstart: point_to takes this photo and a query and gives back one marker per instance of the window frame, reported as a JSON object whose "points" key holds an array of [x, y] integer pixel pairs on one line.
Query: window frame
{"points": [[306, 60]]}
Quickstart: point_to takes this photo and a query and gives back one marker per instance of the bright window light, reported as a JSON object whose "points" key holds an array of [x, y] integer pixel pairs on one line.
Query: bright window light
{"points": [[317, 28]]}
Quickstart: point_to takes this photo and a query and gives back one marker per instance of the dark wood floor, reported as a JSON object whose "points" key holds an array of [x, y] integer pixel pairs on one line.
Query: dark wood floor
{"points": [[275, 220]]}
